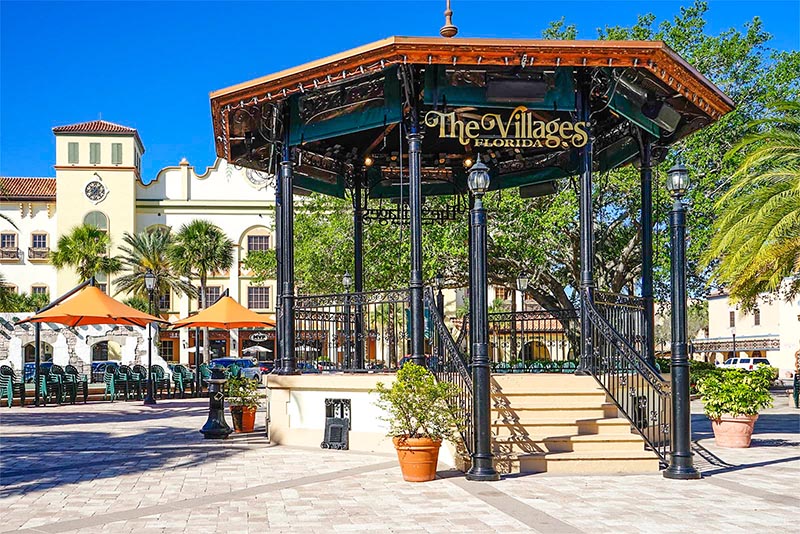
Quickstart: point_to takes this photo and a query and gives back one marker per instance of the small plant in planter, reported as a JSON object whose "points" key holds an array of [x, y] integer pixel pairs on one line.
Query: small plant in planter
{"points": [[420, 417], [242, 395], [732, 399]]}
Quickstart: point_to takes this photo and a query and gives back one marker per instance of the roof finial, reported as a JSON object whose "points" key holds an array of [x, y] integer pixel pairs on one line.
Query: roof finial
{"points": [[448, 30]]}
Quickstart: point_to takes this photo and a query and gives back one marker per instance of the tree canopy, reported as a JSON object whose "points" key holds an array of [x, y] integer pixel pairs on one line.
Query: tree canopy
{"points": [[541, 235]]}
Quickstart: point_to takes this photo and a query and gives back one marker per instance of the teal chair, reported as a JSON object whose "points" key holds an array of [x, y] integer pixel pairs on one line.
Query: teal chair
{"points": [[182, 378], [110, 381], [160, 381], [9, 384]]}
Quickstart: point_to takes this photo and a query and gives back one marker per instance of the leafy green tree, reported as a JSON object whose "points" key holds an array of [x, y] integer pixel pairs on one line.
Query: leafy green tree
{"points": [[199, 250], [757, 239], [138, 303], [150, 250], [85, 249], [20, 302]]}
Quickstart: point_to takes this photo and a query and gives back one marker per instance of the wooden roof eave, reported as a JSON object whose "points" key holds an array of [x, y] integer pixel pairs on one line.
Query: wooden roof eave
{"points": [[654, 56]]}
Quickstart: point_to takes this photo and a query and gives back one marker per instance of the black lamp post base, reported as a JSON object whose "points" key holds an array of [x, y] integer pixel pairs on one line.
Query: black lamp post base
{"points": [[483, 475], [150, 401], [215, 430], [682, 472]]}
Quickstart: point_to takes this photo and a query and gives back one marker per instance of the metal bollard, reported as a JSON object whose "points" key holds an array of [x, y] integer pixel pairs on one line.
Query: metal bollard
{"points": [[216, 427]]}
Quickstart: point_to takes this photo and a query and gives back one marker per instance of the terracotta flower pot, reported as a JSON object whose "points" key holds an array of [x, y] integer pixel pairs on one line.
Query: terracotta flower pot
{"points": [[244, 418], [418, 457], [733, 432]]}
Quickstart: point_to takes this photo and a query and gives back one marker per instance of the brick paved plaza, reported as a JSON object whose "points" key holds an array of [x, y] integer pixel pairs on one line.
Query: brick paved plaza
{"points": [[123, 467]]}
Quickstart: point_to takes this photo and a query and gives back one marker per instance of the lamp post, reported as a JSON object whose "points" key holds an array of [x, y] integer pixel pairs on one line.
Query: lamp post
{"points": [[522, 286], [733, 335], [680, 461], [439, 280], [150, 285], [482, 466], [347, 281]]}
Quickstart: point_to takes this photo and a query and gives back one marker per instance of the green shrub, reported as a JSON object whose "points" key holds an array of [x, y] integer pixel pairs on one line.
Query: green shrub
{"points": [[242, 391], [735, 391], [418, 406]]}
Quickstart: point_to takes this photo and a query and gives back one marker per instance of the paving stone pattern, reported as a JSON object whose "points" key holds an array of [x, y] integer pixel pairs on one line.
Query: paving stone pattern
{"points": [[122, 467]]}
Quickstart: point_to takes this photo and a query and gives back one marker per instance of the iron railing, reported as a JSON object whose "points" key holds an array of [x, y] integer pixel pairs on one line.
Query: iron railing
{"points": [[352, 331], [640, 393], [626, 313], [534, 341], [10, 253], [450, 364], [38, 253]]}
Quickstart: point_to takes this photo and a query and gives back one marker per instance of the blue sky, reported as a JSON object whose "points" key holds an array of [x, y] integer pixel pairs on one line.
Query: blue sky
{"points": [[151, 65]]}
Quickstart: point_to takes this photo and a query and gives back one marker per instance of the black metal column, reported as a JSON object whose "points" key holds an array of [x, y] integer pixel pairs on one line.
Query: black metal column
{"points": [[586, 228], [278, 347], [482, 468], [680, 460], [288, 360], [37, 361], [415, 207], [647, 245], [358, 266]]}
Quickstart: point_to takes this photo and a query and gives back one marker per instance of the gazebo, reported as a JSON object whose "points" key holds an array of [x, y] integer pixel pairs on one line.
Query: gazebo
{"points": [[407, 117]]}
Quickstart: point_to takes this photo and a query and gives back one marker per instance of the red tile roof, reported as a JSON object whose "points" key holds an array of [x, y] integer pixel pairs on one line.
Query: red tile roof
{"points": [[27, 188], [98, 126]]}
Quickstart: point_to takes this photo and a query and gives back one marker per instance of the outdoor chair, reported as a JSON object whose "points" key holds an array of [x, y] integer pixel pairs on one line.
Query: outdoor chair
{"points": [[140, 372], [234, 371], [69, 387], [130, 381], [50, 385], [160, 380], [110, 381], [205, 374], [81, 381], [181, 379], [9, 385]]}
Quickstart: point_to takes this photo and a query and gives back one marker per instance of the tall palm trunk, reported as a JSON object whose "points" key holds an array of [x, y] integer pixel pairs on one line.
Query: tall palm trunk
{"points": [[206, 340]]}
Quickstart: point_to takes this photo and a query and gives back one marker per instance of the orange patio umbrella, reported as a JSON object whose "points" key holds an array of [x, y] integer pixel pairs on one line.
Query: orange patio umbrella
{"points": [[227, 314], [92, 306]]}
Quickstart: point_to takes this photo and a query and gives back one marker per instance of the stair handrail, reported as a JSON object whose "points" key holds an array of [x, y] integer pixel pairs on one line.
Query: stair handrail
{"points": [[647, 402], [451, 366]]}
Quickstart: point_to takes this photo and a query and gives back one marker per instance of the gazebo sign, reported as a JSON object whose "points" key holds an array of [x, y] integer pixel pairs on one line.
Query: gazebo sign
{"points": [[519, 130]]}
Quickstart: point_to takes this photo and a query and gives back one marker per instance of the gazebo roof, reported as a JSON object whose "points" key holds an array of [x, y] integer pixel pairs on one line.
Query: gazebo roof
{"points": [[240, 110]]}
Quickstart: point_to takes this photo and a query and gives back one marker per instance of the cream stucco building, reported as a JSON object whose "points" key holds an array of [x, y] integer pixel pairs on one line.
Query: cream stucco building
{"points": [[98, 181], [771, 330]]}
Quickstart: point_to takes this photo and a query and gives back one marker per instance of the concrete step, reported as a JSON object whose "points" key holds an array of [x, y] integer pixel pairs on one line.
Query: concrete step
{"points": [[521, 443], [543, 383], [547, 400], [584, 462], [543, 428], [589, 410]]}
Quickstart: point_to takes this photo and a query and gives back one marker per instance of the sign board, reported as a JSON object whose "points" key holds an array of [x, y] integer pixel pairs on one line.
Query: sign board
{"points": [[520, 129]]}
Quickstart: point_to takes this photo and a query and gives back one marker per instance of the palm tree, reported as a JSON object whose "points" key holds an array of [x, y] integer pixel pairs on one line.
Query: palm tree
{"points": [[758, 235], [85, 248], [150, 250], [201, 248]]}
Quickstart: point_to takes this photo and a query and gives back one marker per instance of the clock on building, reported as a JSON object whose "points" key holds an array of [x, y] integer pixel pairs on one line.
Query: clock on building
{"points": [[95, 191]]}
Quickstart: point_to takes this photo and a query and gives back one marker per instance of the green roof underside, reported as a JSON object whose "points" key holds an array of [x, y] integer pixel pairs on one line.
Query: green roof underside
{"points": [[333, 130]]}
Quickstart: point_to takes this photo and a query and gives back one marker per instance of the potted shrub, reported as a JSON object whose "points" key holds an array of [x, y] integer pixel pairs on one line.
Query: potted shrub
{"points": [[732, 399], [420, 417], [242, 394]]}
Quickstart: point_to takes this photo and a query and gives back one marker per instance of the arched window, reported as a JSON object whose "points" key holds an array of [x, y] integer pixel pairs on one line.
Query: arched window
{"points": [[45, 356], [97, 219]]}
